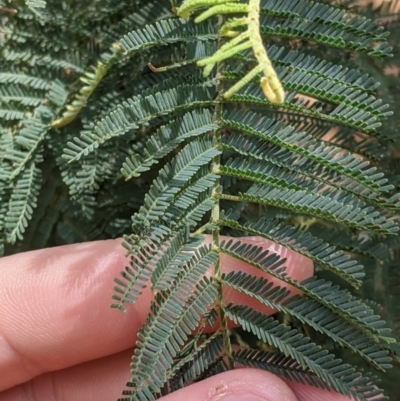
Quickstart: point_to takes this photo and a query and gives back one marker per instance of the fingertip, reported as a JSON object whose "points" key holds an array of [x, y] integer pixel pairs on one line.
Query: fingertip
{"points": [[304, 392], [236, 385], [101, 380], [60, 298]]}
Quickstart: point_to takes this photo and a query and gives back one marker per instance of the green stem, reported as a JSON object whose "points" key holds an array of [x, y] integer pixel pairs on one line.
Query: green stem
{"points": [[215, 214], [229, 197], [202, 229]]}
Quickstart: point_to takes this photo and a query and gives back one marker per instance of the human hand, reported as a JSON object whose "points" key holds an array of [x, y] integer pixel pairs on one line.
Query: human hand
{"points": [[59, 339]]}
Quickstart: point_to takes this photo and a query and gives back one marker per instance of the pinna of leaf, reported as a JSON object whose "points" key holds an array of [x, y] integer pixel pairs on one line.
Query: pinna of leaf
{"points": [[171, 351], [170, 354], [251, 38]]}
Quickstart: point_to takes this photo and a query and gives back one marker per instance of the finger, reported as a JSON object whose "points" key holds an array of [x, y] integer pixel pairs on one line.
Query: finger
{"points": [[236, 385], [100, 379], [54, 307], [103, 380], [304, 392]]}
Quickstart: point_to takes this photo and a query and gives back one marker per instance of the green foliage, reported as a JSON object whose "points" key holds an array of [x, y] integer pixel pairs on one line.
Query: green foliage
{"points": [[124, 119]]}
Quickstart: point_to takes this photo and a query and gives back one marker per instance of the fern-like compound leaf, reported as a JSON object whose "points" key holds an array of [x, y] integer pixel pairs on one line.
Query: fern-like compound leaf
{"points": [[313, 314], [149, 262], [179, 184], [341, 377], [30, 81], [326, 15], [342, 210], [287, 368], [167, 266], [166, 139], [149, 120], [320, 31], [205, 360], [175, 314], [354, 311], [135, 112], [138, 274], [304, 243], [22, 202], [165, 32], [277, 133]]}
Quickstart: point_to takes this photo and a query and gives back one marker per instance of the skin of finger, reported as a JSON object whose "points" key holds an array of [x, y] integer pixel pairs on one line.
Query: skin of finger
{"points": [[241, 383], [103, 380], [100, 379], [306, 393], [54, 306]]}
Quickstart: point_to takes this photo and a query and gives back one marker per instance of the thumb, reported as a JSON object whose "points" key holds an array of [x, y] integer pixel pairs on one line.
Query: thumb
{"points": [[236, 385], [251, 385]]}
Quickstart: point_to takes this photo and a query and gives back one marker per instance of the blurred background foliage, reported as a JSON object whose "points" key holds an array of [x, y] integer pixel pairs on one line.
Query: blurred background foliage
{"points": [[383, 283]]}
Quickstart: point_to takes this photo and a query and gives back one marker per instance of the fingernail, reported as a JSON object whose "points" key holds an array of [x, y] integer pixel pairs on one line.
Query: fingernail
{"points": [[242, 397]]}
